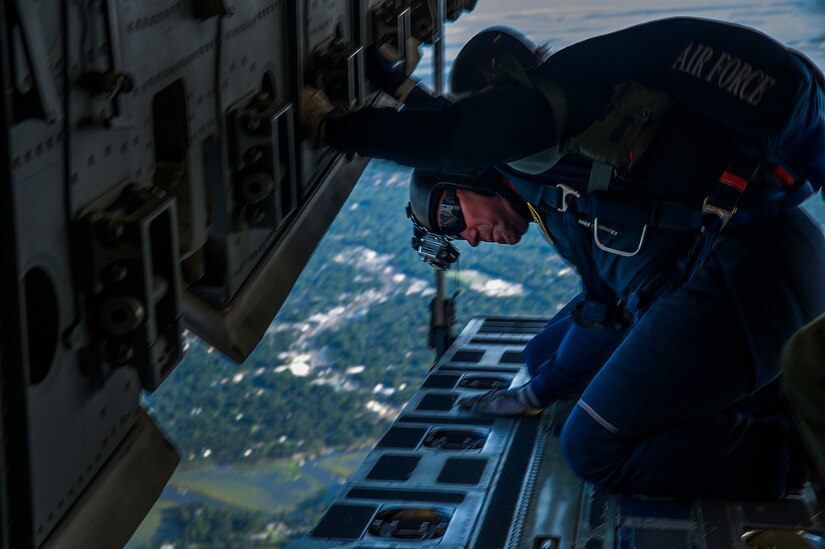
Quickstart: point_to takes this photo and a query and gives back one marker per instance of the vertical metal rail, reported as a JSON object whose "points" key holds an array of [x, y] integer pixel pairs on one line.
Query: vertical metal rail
{"points": [[6, 271], [441, 319], [438, 50], [15, 487]]}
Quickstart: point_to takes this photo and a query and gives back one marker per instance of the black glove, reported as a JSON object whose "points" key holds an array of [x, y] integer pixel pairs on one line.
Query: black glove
{"points": [[390, 73], [316, 107], [518, 401]]}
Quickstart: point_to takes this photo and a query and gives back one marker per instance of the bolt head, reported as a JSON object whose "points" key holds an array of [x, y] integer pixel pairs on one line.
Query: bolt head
{"points": [[253, 155], [119, 352], [250, 121], [116, 273], [109, 229], [255, 215]]}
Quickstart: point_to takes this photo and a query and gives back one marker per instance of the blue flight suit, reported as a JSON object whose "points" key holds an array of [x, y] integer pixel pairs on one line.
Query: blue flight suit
{"points": [[663, 402]]}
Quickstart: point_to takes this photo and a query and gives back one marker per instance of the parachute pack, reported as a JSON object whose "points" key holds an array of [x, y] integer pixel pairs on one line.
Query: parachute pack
{"points": [[765, 99]]}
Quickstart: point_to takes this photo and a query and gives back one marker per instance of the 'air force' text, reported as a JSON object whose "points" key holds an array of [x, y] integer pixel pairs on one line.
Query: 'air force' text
{"points": [[729, 73]]}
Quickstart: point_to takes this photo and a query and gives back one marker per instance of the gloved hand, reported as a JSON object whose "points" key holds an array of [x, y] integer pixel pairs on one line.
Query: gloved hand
{"points": [[390, 73], [518, 401], [315, 107]]}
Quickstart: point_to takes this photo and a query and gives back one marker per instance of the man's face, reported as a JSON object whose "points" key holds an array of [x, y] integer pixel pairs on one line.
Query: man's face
{"points": [[489, 219]]}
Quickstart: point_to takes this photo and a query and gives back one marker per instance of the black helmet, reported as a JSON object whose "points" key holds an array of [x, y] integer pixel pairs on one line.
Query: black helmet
{"points": [[426, 187], [484, 60]]}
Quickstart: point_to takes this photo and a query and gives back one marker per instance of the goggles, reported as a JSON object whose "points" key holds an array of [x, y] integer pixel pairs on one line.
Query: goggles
{"points": [[450, 217]]}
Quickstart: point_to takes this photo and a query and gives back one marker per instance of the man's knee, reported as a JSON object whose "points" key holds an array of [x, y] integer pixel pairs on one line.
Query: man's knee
{"points": [[591, 448]]}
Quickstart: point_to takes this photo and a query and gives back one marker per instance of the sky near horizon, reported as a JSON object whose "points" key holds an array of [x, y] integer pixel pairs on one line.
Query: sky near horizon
{"points": [[799, 24]]}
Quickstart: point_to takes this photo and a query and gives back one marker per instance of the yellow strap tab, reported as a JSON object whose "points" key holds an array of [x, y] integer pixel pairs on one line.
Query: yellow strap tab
{"points": [[540, 223]]}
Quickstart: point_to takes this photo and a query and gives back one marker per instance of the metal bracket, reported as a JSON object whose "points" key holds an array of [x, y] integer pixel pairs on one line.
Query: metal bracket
{"points": [[340, 68], [425, 21], [608, 249], [36, 56], [420, 523], [565, 192], [263, 159], [135, 284], [391, 23], [723, 214]]}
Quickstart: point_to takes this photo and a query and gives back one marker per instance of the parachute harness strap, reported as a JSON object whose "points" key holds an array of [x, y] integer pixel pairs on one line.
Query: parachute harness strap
{"points": [[725, 199]]}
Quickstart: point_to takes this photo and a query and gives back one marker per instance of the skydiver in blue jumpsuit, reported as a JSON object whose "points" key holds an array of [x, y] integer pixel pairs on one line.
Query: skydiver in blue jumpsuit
{"points": [[681, 346]]}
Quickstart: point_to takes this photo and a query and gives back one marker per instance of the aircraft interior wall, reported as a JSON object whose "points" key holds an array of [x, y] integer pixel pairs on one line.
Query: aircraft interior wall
{"points": [[157, 179]]}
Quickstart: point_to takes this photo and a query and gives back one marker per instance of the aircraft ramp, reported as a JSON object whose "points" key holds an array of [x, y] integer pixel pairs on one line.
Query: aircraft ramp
{"points": [[443, 477]]}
